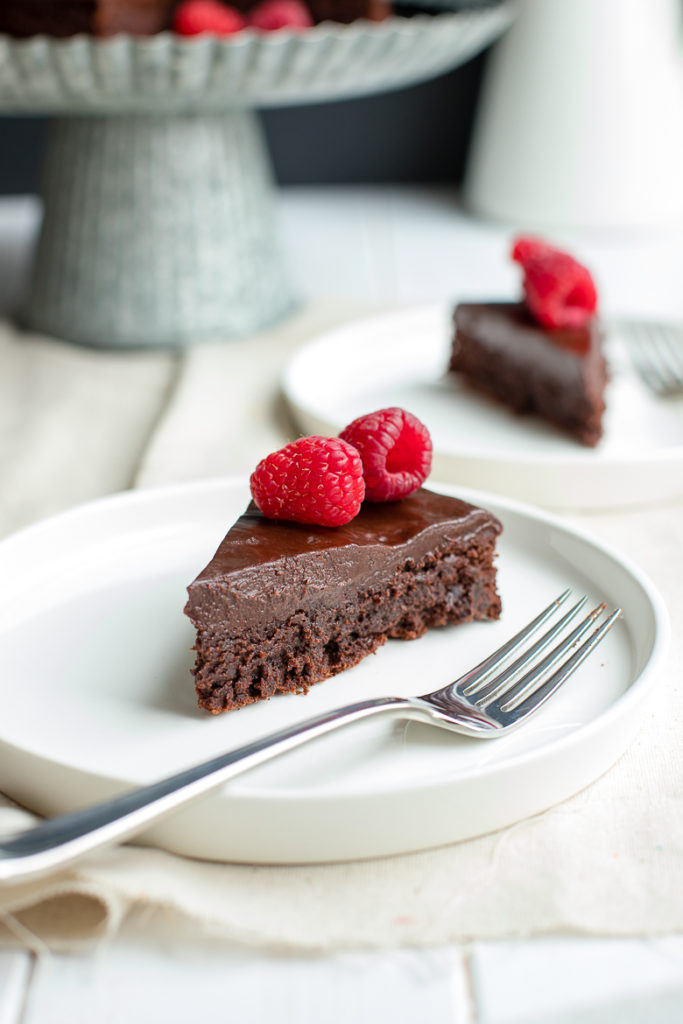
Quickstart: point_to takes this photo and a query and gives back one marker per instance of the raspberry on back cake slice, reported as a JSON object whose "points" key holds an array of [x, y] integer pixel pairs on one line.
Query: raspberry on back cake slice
{"points": [[283, 605]]}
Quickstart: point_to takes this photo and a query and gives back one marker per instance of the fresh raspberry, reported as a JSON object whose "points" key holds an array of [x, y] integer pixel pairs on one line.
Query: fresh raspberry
{"points": [[526, 247], [558, 290], [195, 17], [396, 450], [312, 480], [271, 15]]}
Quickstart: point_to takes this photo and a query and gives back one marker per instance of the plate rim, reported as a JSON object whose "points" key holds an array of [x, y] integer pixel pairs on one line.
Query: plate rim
{"points": [[644, 680]]}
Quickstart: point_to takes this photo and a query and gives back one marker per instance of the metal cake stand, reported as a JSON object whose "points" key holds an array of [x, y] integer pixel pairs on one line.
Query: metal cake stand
{"points": [[158, 224]]}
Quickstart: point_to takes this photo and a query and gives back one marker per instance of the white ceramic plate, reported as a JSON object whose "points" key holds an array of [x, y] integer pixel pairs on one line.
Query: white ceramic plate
{"points": [[401, 359], [97, 695]]}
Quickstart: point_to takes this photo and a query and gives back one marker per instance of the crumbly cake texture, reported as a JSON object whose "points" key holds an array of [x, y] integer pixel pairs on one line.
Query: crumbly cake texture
{"points": [[282, 606], [558, 374]]}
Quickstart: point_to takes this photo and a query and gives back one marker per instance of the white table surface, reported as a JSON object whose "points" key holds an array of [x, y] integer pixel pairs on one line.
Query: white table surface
{"points": [[386, 246]]}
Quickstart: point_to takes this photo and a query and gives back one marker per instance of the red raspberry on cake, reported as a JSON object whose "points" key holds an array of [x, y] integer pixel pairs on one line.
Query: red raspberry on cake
{"points": [[197, 17], [526, 247], [396, 451], [558, 290], [272, 15], [317, 480]]}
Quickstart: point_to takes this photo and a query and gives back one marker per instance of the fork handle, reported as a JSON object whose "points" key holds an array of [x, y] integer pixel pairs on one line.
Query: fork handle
{"points": [[60, 841]]}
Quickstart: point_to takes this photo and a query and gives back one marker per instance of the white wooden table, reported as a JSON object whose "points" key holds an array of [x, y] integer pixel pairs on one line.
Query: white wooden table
{"points": [[388, 246]]}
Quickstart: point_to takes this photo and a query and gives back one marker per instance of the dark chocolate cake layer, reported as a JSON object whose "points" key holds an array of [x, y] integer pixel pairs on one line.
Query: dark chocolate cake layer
{"points": [[61, 18], [559, 374], [282, 606]]}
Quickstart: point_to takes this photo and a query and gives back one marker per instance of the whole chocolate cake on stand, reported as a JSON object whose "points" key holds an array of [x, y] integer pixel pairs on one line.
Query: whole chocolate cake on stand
{"points": [[158, 223]]}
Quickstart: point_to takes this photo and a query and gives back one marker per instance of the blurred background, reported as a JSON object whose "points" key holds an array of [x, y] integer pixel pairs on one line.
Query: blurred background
{"points": [[549, 130], [415, 134]]}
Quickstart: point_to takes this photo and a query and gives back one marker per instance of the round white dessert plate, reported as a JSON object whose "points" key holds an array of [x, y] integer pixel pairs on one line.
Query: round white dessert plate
{"points": [[97, 694], [401, 358]]}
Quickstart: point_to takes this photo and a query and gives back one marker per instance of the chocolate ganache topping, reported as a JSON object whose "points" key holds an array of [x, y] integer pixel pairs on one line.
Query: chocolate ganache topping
{"points": [[266, 569], [497, 318]]}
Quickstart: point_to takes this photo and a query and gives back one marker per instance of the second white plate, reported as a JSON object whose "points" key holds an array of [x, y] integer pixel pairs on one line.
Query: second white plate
{"points": [[401, 359]]}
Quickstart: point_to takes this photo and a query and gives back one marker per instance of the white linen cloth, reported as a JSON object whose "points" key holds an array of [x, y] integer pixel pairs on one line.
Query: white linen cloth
{"points": [[609, 861]]}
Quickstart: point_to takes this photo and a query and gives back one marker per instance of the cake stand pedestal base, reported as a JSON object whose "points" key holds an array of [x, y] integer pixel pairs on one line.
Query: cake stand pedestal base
{"points": [[158, 230]]}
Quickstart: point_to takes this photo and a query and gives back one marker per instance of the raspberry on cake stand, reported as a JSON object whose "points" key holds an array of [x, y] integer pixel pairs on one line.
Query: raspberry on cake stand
{"points": [[158, 223]]}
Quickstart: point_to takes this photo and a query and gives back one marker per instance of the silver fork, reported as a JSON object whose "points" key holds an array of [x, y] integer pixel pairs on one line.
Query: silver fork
{"points": [[656, 351], [494, 697]]}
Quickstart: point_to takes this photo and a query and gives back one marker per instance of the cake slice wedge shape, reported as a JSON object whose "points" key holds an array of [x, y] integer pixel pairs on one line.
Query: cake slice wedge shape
{"points": [[282, 605], [558, 374]]}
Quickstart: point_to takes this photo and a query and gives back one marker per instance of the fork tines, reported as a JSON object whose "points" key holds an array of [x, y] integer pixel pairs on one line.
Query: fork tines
{"points": [[508, 688], [656, 351]]}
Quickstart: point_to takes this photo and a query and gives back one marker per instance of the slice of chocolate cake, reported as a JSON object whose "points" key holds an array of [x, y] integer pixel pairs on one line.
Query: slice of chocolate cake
{"points": [[283, 605], [558, 373]]}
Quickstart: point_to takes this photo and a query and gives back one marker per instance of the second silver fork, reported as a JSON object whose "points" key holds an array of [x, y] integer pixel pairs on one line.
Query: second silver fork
{"points": [[656, 351]]}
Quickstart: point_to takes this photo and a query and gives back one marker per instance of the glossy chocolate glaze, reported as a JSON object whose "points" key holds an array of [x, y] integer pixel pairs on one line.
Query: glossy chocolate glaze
{"points": [[495, 320], [264, 569]]}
